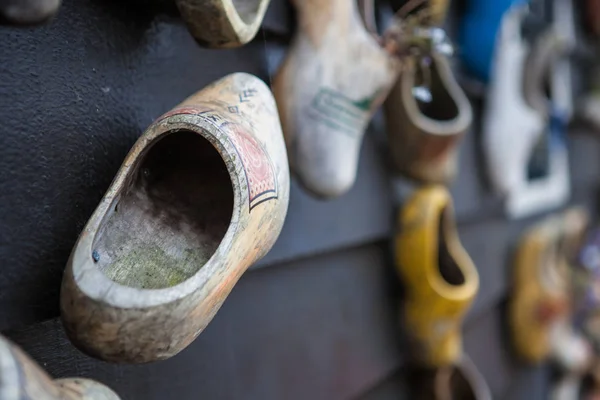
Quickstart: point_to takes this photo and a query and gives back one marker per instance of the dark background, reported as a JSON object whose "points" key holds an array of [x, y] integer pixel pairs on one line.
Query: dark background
{"points": [[316, 319]]}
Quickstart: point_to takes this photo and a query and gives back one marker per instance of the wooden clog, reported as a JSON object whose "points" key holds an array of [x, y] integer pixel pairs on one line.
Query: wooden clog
{"points": [[424, 136], [334, 77], [27, 12], [461, 381], [22, 379], [520, 122], [201, 196], [223, 23], [439, 277], [540, 298]]}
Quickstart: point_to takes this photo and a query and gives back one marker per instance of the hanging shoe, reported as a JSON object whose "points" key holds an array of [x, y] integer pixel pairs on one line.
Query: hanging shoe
{"points": [[21, 378], [334, 77], [511, 127], [438, 274], [201, 196], [424, 133], [541, 297], [478, 33], [223, 23], [27, 12], [525, 131]]}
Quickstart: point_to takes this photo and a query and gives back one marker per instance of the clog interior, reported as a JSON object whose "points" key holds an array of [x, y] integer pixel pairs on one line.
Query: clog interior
{"points": [[444, 107], [448, 267], [247, 9], [170, 218]]}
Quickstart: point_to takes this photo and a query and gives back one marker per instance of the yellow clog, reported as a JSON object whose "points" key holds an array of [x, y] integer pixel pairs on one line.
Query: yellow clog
{"points": [[440, 278], [541, 283]]}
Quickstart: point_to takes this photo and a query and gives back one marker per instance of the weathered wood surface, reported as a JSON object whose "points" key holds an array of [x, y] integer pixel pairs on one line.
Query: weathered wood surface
{"points": [[179, 225]]}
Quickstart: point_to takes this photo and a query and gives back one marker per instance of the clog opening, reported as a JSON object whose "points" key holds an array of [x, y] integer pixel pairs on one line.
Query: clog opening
{"points": [[247, 9], [448, 267], [452, 383], [171, 216], [442, 106]]}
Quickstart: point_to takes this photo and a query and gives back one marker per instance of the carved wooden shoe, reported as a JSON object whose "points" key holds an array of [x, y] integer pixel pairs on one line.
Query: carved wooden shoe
{"points": [[438, 274], [524, 131], [223, 23], [21, 378], [201, 196], [423, 136], [27, 12], [327, 89], [541, 294]]}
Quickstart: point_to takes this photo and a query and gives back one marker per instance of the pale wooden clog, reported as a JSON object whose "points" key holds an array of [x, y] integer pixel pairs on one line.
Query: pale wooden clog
{"points": [[201, 196], [27, 12], [22, 379], [511, 126], [520, 122], [223, 23], [334, 77]]}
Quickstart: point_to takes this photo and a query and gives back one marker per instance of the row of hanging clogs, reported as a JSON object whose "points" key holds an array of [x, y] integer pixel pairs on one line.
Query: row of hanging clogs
{"points": [[158, 257], [327, 92], [440, 283]]}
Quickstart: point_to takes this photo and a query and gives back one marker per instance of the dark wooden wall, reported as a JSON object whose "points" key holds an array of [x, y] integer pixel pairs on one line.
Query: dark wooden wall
{"points": [[316, 319]]}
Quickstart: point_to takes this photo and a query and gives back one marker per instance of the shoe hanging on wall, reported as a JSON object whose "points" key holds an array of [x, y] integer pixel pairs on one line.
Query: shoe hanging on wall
{"points": [[524, 131], [427, 113], [223, 23], [21, 378], [511, 127], [539, 308], [424, 134], [440, 284], [27, 12], [201, 196], [438, 274], [479, 29], [335, 76]]}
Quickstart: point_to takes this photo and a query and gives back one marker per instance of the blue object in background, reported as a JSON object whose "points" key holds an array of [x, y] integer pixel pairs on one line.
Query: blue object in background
{"points": [[477, 36]]}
